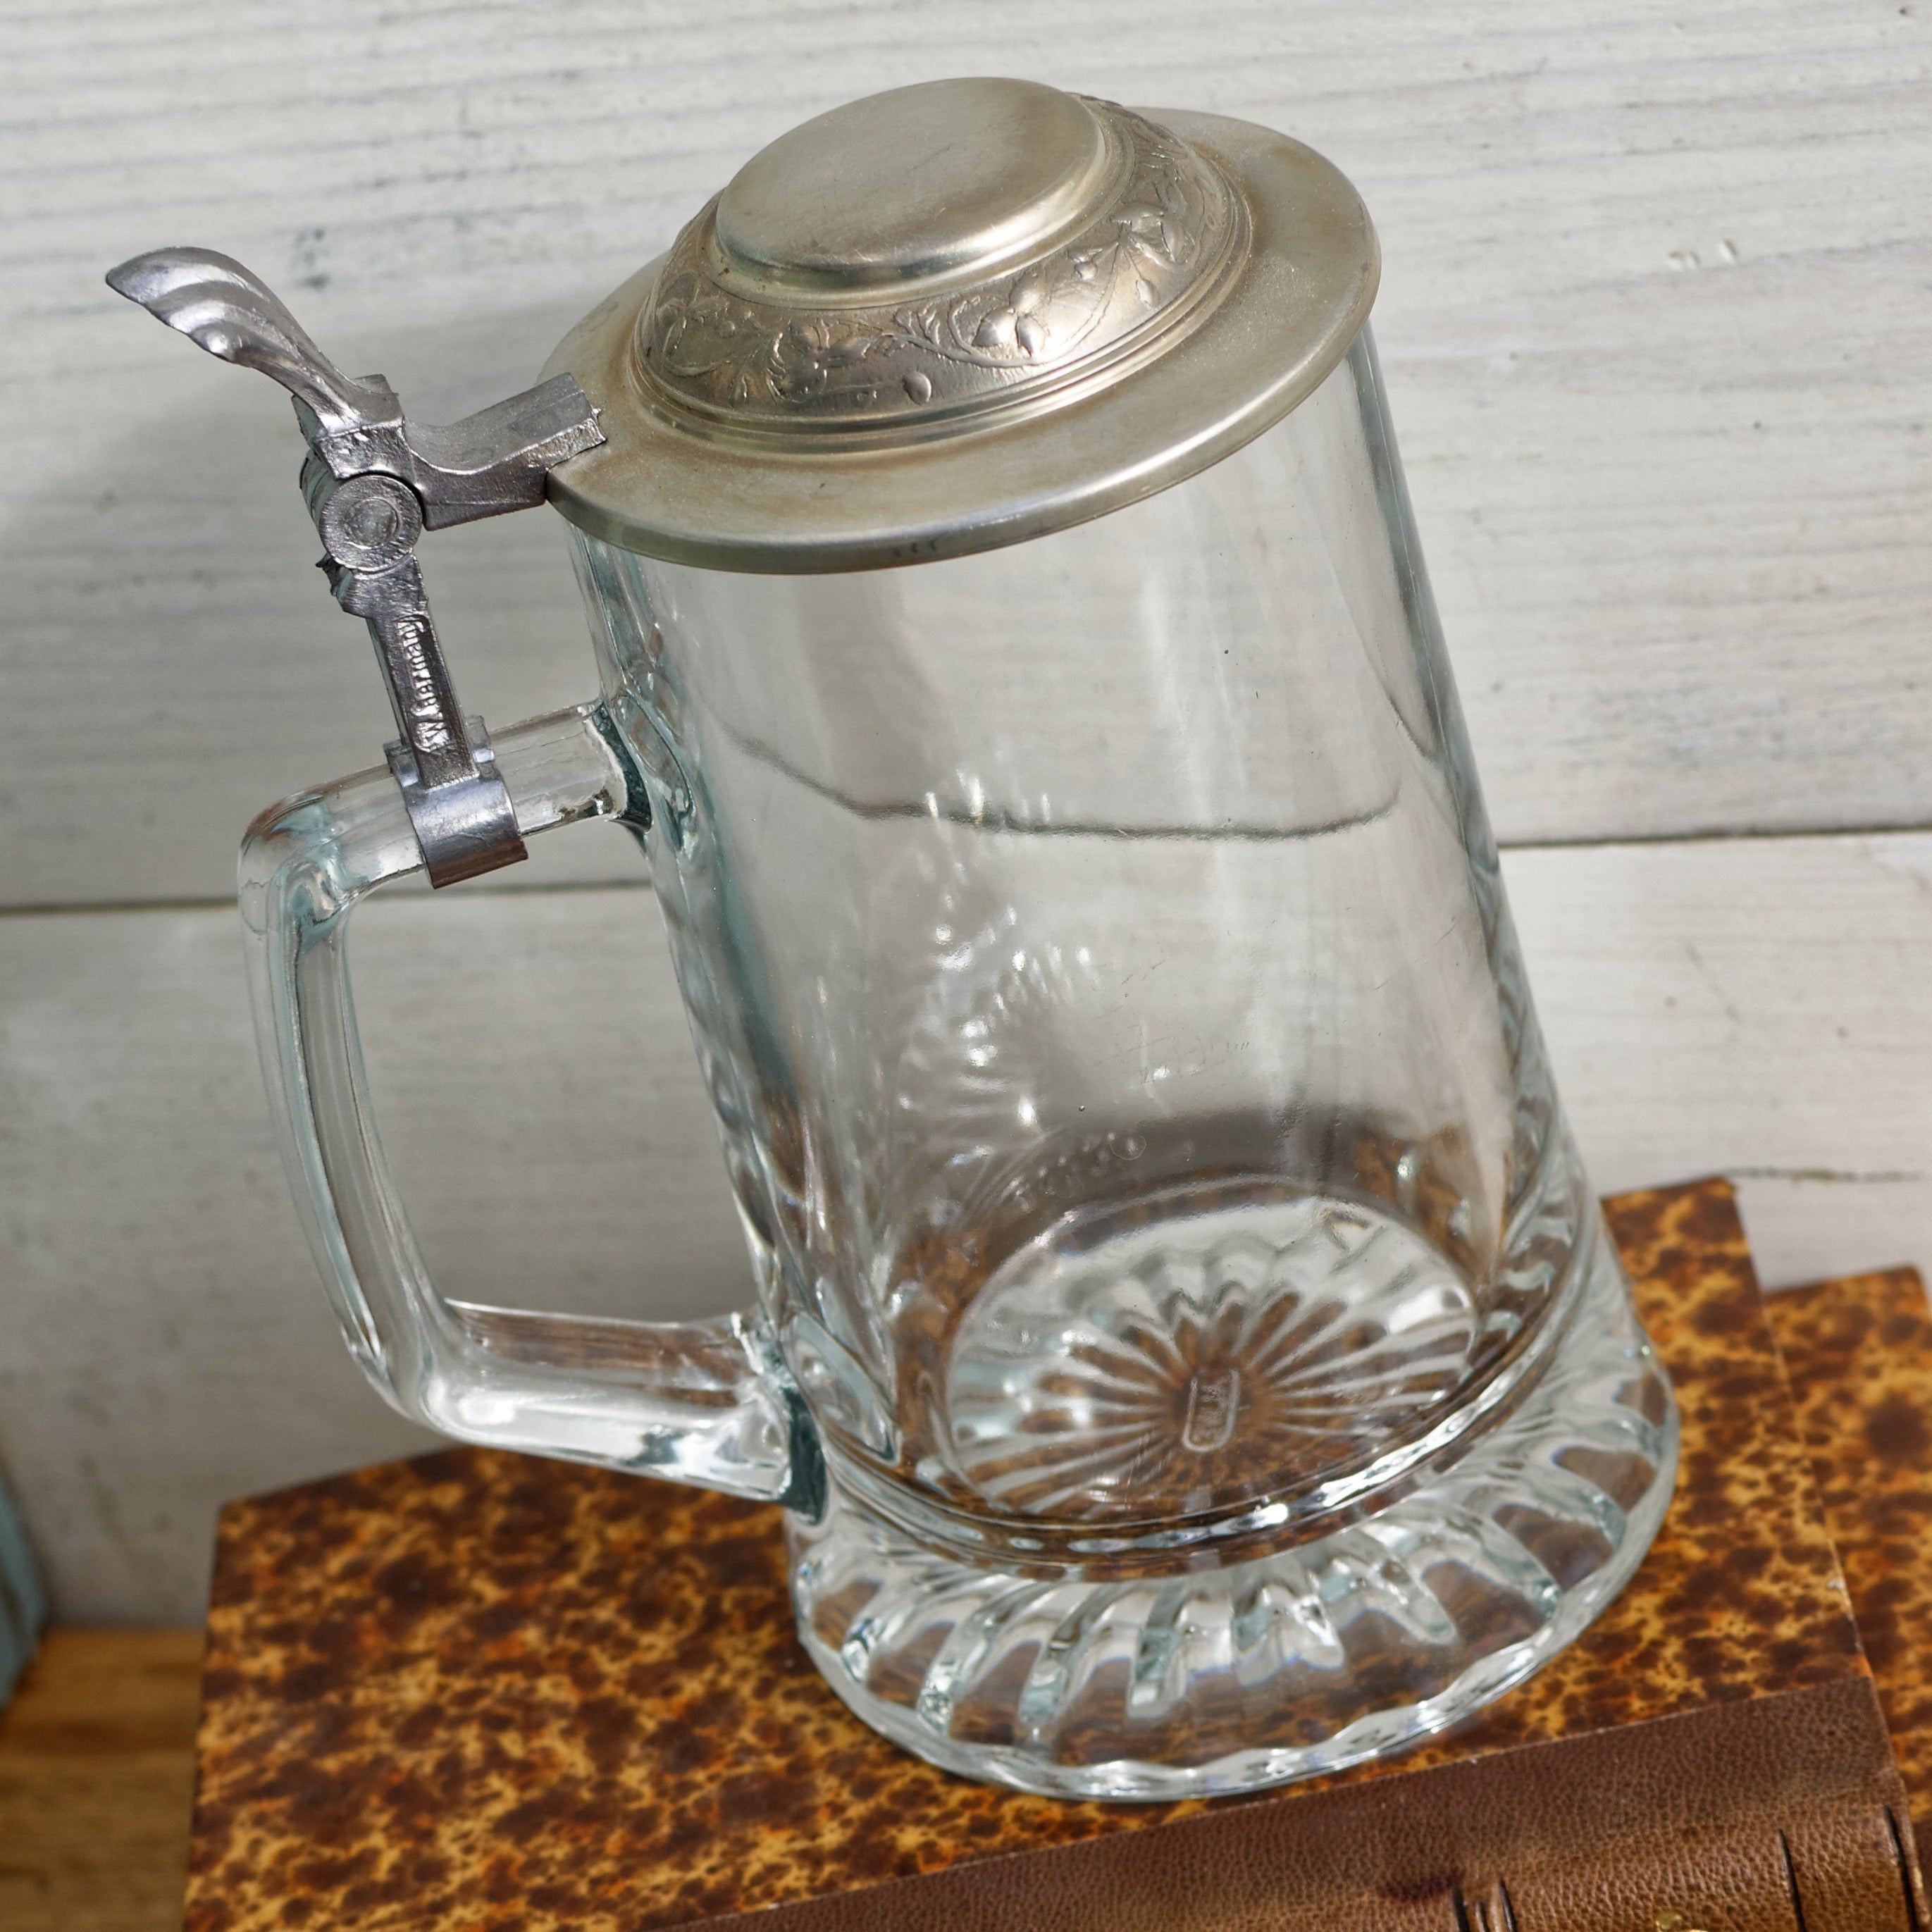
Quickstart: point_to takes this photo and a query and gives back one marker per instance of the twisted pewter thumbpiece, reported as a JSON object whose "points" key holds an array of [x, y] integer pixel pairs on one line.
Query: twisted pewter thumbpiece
{"points": [[221, 307], [373, 482]]}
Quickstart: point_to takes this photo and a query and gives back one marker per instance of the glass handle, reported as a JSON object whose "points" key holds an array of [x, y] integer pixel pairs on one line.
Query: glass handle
{"points": [[704, 1402]]}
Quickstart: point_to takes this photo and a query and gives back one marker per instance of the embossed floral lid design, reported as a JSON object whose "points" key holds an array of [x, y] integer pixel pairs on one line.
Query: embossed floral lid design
{"points": [[956, 316]]}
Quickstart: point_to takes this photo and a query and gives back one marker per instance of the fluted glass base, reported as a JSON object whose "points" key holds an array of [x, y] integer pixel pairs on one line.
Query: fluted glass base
{"points": [[1346, 1647]]}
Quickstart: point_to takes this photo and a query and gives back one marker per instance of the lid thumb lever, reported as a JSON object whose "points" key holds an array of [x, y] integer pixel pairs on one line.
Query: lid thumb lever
{"points": [[373, 482]]}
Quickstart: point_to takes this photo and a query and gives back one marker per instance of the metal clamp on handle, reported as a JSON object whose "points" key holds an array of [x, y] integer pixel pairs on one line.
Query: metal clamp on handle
{"points": [[374, 481]]}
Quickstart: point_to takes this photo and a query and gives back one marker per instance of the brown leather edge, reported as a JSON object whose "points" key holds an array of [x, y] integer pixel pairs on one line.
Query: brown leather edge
{"points": [[1788, 1805], [1829, 1865]]}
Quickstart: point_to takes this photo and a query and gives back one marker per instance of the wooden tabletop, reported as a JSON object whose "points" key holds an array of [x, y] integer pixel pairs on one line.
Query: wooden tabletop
{"points": [[96, 1767]]}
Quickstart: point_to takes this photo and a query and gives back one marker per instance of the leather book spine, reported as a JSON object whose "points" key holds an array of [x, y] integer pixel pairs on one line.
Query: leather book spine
{"points": [[1782, 1813]]}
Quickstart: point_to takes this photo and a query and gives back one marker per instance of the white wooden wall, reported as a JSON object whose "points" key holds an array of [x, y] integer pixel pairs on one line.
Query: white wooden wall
{"points": [[1658, 322]]}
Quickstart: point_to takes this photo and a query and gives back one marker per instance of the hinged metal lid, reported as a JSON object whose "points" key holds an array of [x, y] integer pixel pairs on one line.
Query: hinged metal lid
{"points": [[956, 316]]}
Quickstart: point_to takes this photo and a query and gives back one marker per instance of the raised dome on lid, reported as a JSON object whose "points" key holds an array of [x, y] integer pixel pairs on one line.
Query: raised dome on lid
{"points": [[922, 184]]}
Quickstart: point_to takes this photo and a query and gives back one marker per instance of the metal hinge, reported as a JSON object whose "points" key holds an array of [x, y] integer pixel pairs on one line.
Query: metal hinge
{"points": [[374, 482]]}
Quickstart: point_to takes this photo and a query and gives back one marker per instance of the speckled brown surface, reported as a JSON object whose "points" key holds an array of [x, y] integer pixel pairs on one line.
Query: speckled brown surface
{"points": [[1859, 1355], [477, 1690]]}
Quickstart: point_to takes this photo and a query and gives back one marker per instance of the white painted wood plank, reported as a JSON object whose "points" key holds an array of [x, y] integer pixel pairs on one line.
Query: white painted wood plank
{"points": [[1751, 1006], [1655, 314]]}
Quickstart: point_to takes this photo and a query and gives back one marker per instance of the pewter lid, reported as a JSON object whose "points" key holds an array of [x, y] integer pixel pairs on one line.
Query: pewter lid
{"points": [[956, 316]]}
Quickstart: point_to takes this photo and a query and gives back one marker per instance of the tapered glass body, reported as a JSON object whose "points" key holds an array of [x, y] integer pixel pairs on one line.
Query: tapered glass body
{"points": [[1097, 952]]}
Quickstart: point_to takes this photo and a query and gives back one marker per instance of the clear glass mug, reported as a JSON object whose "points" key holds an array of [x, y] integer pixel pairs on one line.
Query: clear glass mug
{"points": [[1185, 1342]]}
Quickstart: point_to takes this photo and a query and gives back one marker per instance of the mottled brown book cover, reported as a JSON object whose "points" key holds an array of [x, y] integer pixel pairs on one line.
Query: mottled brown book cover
{"points": [[1858, 1355], [481, 1690]]}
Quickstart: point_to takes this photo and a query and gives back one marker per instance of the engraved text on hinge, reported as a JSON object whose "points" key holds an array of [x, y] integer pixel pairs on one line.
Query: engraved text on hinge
{"points": [[1153, 259]]}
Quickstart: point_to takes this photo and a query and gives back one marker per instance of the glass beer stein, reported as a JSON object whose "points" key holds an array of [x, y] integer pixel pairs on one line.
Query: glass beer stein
{"points": [[1184, 1339]]}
